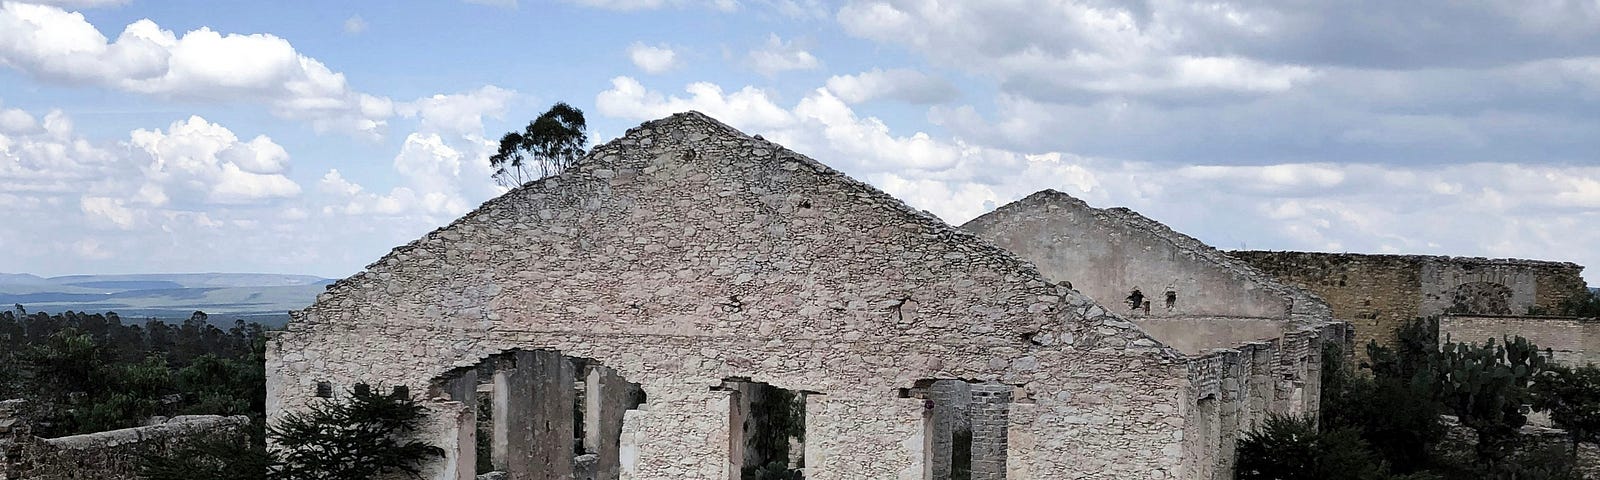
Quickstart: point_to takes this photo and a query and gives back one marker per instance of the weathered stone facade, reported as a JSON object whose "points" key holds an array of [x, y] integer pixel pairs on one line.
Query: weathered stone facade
{"points": [[110, 455], [1378, 293], [1254, 343], [686, 254]]}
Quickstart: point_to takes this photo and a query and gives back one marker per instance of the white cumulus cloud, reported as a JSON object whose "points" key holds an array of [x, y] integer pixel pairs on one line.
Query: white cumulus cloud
{"points": [[204, 159], [778, 56], [900, 84], [53, 44], [652, 59]]}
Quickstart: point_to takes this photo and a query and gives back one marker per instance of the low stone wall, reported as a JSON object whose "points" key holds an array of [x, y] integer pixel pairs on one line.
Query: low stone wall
{"points": [[1572, 341], [110, 455]]}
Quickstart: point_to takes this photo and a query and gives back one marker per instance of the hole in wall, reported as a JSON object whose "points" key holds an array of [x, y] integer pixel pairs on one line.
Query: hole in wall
{"points": [[766, 430], [965, 428], [324, 390]]}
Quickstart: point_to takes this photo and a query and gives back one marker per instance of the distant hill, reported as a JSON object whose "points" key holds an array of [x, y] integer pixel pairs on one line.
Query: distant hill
{"points": [[265, 298]]}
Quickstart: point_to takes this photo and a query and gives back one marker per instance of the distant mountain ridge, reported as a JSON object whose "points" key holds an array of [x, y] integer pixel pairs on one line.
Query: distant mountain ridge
{"points": [[265, 298]]}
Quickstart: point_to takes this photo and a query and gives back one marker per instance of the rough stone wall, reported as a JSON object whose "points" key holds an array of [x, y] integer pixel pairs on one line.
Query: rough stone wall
{"points": [[1269, 333], [1109, 253], [1378, 293], [686, 253], [1235, 389], [1572, 341], [110, 455]]}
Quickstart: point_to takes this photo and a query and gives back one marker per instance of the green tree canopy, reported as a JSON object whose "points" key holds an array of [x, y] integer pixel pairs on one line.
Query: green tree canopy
{"points": [[547, 146]]}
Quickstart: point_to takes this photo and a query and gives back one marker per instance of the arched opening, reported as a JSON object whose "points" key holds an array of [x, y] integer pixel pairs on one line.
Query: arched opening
{"points": [[1481, 298], [544, 415]]}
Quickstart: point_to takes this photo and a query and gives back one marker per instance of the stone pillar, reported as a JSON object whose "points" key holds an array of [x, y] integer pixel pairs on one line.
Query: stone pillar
{"points": [[738, 416], [1230, 410], [459, 438], [681, 433], [633, 435], [988, 418], [606, 400], [551, 416], [514, 378], [950, 419]]}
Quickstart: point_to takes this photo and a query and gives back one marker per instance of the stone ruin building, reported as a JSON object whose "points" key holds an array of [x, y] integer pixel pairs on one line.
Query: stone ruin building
{"points": [[692, 302], [1475, 298], [1259, 341]]}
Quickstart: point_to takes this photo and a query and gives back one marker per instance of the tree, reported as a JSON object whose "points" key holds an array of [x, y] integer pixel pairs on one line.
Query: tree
{"points": [[357, 439], [1287, 448], [547, 146], [1572, 396], [1393, 410], [1487, 388]]}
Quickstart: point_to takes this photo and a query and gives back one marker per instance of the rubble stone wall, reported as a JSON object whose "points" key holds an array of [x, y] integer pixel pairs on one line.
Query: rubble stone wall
{"points": [[110, 455], [1378, 293], [686, 253], [1572, 341]]}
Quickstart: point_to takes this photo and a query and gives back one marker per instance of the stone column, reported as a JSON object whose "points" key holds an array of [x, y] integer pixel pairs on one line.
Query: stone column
{"points": [[950, 418], [607, 396], [513, 409], [1229, 411], [551, 416]]}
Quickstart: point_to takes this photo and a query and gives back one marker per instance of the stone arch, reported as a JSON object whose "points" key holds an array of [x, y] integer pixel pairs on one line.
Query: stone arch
{"points": [[541, 414], [1480, 298]]}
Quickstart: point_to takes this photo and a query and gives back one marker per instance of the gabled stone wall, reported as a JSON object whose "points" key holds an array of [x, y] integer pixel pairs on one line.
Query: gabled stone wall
{"points": [[1254, 343], [686, 253], [1109, 253]]}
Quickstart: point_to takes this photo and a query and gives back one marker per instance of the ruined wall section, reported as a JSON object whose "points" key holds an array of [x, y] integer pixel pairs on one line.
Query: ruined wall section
{"points": [[1217, 301], [1572, 341], [1234, 390], [685, 253], [110, 455], [1109, 253], [1378, 293]]}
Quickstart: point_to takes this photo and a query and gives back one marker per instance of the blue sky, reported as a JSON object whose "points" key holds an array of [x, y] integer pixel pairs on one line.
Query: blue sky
{"points": [[311, 137]]}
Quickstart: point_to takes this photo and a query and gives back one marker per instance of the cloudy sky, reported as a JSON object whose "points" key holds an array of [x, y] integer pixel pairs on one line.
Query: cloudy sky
{"points": [[310, 137]]}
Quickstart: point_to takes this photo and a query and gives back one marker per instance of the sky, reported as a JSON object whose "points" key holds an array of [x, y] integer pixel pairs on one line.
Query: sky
{"points": [[311, 137]]}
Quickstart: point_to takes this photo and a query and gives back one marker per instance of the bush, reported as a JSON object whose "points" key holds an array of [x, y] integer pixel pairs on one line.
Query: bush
{"points": [[1290, 448], [362, 437]]}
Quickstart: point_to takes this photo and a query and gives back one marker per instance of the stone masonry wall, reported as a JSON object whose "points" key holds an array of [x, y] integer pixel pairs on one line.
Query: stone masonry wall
{"points": [[1572, 341], [110, 455], [1378, 293], [1109, 253], [686, 253]]}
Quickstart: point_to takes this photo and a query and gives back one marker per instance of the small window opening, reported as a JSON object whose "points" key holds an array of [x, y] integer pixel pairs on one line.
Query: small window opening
{"points": [[324, 390], [1172, 299]]}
